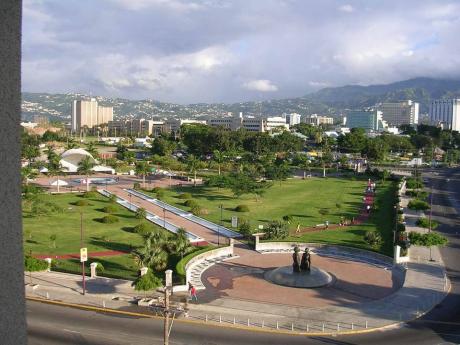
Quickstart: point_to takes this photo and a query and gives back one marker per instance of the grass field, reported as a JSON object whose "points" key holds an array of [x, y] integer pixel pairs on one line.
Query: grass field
{"points": [[66, 227], [302, 199]]}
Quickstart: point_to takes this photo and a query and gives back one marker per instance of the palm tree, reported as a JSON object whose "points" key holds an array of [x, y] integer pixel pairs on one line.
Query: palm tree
{"points": [[182, 244], [218, 158], [55, 167], [91, 148], [85, 168], [142, 168], [193, 164], [141, 213], [153, 252]]}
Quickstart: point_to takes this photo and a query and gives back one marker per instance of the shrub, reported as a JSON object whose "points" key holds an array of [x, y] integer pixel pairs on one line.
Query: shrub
{"points": [[417, 194], [190, 203], [413, 183], [32, 264], [142, 228], [244, 227], [418, 205], [110, 219], [184, 196], [90, 194], [110, 209], [425, 223], [276, 230], [242, 208], [400, 227], [197, 210], [372, 238], [81, 203], [428, 239], [136, 185]]}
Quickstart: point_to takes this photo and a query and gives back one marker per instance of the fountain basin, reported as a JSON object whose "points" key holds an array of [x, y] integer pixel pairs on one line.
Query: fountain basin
{"points": [[314, 278]]}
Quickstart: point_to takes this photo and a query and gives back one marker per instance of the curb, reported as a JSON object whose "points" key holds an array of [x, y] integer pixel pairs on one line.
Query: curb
{"points": [[214, 323]]}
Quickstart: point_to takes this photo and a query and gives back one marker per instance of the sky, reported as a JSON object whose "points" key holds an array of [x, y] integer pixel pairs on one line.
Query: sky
{"points": [[229, 51]]}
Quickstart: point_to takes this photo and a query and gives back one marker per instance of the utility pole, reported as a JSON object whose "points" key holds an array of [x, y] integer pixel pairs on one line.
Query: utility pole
{"points": [[168, 289], [81, 246]]}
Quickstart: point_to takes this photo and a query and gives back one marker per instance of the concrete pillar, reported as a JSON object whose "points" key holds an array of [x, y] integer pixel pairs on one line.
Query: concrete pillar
{"points": [[93, 269], [397, 254], [144, 270], [48, 260], [232, 243]]}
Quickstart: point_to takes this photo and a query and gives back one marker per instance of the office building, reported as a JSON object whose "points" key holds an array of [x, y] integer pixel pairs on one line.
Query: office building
{"points": [[275, 123], [293, 119], [87, 114], [370, 120], [173, 125], [400, 113], [445, 113], [316, 120]]}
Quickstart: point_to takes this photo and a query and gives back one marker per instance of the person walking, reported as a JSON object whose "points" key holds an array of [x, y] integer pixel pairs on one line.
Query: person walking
{"points": [[193, 293]]}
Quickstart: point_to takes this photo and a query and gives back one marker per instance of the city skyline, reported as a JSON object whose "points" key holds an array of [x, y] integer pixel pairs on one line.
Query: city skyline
{"points": [[218, 51]]}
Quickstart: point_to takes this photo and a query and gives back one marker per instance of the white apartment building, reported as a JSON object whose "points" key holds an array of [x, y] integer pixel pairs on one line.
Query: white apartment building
{"points": [[293, 119], [275, 122], [445, 113], [317, 120], [400, 113], [89, 114]]}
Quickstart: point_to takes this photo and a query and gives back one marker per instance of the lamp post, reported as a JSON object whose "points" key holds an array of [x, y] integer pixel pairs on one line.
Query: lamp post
{"points": [[81, 246], [164, 217], [431, 213], [221, 206], [130, 195]]}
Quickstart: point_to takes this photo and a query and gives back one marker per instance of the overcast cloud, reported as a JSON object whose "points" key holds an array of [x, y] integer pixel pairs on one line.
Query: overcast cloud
{"points": [[230, 50]]}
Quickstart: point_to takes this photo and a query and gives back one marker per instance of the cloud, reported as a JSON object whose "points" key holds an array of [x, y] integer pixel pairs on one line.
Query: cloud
{"points": [[262, 85], [233, 50], [346, 8]]}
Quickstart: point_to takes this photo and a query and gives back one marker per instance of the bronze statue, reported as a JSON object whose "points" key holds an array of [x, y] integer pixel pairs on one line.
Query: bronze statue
{"points": [[305, 264], [296, 259]]}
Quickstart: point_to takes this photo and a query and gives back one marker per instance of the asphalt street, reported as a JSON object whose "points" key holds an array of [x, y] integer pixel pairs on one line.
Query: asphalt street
{"points": [[61, 325]]}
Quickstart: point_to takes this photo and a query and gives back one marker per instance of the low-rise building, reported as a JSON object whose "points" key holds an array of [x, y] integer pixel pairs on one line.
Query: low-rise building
{"points": [[317, 120]]}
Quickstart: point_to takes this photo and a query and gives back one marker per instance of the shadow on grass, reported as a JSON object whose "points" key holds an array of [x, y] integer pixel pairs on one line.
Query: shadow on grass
{"points": [[109, 245]]}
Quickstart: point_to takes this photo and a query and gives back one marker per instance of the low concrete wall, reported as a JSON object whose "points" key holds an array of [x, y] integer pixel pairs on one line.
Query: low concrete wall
{"points": [[212, 254], [326, 248]]}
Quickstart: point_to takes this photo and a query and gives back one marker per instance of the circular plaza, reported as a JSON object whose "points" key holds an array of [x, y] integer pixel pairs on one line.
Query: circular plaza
{"points": [[245, 278]]}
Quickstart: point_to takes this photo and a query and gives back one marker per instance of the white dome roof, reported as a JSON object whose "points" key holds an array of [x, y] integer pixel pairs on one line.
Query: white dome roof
{"points": [[71, 158]]}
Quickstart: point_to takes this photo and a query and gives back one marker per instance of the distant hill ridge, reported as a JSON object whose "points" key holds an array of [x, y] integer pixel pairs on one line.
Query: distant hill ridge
{"points": [[330, 100]]}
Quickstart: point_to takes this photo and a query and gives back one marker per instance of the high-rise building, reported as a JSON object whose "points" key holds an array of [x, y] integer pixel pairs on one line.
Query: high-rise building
{"points": [[370, 120], [400, 113], [88, 114], [293, 119], [445, 113]]}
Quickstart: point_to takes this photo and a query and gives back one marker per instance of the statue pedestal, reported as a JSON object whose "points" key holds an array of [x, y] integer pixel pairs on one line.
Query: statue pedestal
{"points": [[314, 278]]}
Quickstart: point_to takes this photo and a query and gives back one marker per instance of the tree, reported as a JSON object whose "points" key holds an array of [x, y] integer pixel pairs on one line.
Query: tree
{"points": [[85, 167], [425, 223], [146, 282], [192, 165], [218, 157], [91, 148], [27, 173], [55, 167], [276, 230], [141, 213], [153, 252], [181, 243], [142, 168], [427, 240]]}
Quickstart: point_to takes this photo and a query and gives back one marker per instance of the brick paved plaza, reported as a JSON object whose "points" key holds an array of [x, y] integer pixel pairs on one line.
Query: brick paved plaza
{"points": [[242, 278]]}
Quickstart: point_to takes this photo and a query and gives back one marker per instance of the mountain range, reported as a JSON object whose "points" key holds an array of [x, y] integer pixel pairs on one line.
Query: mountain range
{"points": [[331, 101]]}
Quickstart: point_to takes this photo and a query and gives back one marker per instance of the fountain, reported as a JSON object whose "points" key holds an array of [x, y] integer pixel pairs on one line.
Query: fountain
{"points": [[301, 274]]}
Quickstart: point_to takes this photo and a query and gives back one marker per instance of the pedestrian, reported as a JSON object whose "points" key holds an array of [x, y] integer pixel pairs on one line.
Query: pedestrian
{"points": [[193, 293], [368, 208], [327, 224]]}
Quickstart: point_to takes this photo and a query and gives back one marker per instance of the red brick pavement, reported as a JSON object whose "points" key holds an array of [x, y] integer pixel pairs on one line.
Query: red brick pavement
{"points": [[242, 278]]}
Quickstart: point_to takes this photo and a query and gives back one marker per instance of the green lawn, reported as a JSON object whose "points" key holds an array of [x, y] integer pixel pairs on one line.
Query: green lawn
{"points": [[66, 227], [302, 199]]}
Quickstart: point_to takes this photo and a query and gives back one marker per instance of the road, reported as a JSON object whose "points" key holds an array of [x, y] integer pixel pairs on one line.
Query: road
{"points": [[59, 325]]}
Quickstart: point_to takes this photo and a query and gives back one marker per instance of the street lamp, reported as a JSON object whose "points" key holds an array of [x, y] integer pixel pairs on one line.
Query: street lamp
{"points": [[164, 217], [81, 247], [221, 206], [431, 213]]}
